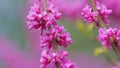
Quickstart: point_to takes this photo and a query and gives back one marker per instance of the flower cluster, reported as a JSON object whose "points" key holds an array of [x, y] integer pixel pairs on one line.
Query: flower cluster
{"points": [[51, 36], [57, 35], [91, 16], [103, 12], [109, 36], [117, 66], [38, 18], [55, 57]]}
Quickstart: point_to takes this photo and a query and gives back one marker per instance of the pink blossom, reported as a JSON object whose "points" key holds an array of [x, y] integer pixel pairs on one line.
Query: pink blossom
{"points": [[58, 35], [54, 10], [69, 64], [33, 17], [103, 12], [48, 57], [37, 18], [89, 15], [107, 35]]}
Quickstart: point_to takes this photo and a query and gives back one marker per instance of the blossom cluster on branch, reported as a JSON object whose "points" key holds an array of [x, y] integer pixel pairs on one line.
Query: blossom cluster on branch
{"points": [[109, 36], [52, 36], [98, 13], [91, 15]]}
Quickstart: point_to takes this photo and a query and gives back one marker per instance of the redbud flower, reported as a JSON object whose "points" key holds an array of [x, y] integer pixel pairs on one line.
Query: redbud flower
{"points": [[69, 64], [54, 10], [89, 15], [54, 57], [33, 20], [58, 35], [103, 12], [109, 36], [46, 58], [37, 18], [117, 66]]}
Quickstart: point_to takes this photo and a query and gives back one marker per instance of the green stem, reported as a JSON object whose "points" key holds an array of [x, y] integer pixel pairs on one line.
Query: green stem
{"points": [[116, 50], [45, 5], [93, 5], [109, 58], [115, 47]]}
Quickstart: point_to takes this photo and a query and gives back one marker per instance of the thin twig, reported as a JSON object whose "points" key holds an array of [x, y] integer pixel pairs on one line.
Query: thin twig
{"points": [[116, 50], [109, 58], [45, 5]]}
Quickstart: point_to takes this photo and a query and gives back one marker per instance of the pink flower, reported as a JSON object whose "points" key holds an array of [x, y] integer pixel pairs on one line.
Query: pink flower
{"points": [[103, 12], [46, 40], [89, 15], [69, 64], [54, 10], [60, 57], [108, 36], [33, 20], [37, 18], [117, 66], [46, 58], [58, 35]]}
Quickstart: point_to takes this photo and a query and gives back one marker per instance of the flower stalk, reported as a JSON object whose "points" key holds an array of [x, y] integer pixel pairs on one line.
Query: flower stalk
{"points": [[115, 48], [109, 58], [45, 5]]}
